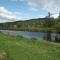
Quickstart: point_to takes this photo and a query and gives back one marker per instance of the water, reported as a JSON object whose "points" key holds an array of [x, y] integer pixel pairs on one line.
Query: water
{"points": [[37, 35]]}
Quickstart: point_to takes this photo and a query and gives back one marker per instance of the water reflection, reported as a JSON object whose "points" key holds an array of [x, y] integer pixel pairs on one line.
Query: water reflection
{"points": [[37, 35]]}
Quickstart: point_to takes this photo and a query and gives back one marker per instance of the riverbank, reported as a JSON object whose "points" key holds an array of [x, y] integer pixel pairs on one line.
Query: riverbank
{"points": [[53, 30], [19, 48], [44, 30]]}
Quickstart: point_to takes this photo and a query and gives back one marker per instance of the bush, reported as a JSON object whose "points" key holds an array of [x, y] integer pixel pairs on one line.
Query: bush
{"points": [[33, 38], [20, 36]]}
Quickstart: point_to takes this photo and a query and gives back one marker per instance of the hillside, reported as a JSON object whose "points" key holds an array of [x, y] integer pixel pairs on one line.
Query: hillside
{"points": [[35, 25], [27, 25], [19, 48]]}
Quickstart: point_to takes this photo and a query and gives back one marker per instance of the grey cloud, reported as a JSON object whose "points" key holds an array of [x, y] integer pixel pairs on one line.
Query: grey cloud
{"points": [[52, 6]]}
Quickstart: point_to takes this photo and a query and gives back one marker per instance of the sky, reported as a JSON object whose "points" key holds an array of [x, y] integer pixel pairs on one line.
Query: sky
{"points": [[14, 10]]}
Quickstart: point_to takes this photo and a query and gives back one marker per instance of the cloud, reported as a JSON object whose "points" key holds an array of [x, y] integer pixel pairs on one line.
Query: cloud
{"points": [[33, 9], [55, 15], [8, 15], [52, 6]]}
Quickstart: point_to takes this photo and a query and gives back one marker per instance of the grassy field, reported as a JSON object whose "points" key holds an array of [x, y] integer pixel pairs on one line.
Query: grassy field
{"points": [[19, 48]]}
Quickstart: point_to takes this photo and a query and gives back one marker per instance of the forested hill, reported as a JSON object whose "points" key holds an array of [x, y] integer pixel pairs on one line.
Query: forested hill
{"points": [[20, 25], [38, 24]]}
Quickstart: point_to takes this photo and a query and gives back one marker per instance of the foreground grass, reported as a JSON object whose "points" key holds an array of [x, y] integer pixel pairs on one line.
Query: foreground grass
{"points": [[19, 48]]}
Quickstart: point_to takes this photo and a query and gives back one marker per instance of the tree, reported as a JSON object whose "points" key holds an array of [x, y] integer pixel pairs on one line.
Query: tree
{"points": [[49, 23], [57, 26], [59, 16]]}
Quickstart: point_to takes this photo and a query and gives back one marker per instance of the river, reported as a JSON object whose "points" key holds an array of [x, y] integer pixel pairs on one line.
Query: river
{"points": [[36, 35]]}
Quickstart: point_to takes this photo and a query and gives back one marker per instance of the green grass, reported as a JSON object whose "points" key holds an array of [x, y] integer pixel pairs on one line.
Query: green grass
{"points": [[19, 48]]}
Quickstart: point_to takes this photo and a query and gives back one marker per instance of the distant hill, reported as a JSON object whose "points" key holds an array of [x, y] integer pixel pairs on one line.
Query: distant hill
{"points": [[26, 25]]}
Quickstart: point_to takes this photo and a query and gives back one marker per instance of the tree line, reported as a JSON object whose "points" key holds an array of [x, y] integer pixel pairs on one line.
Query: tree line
{"points": [[47, 24]]}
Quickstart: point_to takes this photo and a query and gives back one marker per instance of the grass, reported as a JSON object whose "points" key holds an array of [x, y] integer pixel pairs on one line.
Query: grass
{"points": [[17, 48]]}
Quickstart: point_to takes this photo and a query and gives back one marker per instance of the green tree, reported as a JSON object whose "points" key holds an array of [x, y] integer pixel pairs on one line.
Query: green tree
{"points": [[49, 23], [57, 27]]}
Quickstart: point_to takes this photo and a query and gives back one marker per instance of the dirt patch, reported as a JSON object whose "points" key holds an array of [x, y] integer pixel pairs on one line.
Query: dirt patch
{"points": [[3, 55]]}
